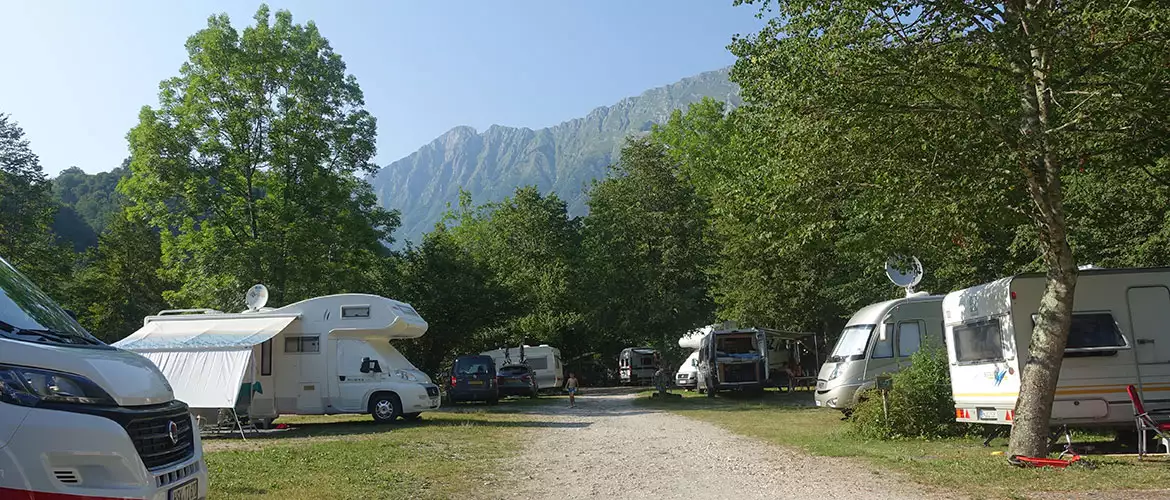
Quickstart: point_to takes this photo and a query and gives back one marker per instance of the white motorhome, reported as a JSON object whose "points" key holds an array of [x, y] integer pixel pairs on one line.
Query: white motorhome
{"points": [[636, 365], [879, 339], [544, 360], [325, 355], [1119, 336], [687, 376], [80, 419]]}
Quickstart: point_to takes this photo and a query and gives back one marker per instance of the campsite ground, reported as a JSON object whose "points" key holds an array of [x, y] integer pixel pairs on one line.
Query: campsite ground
{"points": [[617, 442]]}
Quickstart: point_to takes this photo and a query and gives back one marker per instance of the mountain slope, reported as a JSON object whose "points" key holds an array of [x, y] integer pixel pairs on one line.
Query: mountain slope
{"points": [[564, 158]]}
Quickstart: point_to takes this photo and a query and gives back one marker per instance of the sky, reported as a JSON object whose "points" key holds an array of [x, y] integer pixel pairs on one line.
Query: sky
{"points": [[76, 73]]}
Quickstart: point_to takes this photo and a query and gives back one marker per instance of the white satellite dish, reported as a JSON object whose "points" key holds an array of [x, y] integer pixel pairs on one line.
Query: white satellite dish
{"points": [[256, 297], [907, 278]]}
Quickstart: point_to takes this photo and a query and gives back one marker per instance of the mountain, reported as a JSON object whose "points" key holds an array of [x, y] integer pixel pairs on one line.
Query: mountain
{"points": [[86, 202], [563, 159]]}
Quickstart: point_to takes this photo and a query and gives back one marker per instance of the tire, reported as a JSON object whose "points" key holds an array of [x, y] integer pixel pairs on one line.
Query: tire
{"points": [[385, 407], [493, 401], [412, 417]]}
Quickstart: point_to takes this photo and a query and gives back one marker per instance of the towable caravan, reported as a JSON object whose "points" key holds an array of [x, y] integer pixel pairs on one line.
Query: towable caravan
{"points": [[636, 365], [879, 339], [1120, 335], [545, 362], [324, 355]]}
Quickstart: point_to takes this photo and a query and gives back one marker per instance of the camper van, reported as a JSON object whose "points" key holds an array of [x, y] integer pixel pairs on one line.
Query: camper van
{"points": [[80, 419], [321, 356], [636, 365], [733, 359], [687, 376], [1118, 337], [879, 339], [544, 360]]}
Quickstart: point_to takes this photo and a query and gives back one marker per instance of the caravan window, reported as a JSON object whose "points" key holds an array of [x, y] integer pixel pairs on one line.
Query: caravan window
{"points": [[909, 338], [538, 363], [1092, 332], [979, 342], [266, 357], [302, 344], [884, 348]]}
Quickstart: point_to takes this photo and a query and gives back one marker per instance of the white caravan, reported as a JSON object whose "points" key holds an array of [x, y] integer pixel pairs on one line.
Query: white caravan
{"points": [[325, 355], [80, 419], [545, 362], [636, 365], [1119, 336], [879, 339]]}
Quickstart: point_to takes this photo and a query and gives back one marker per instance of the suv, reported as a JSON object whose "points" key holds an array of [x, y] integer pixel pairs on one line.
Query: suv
{"points": [[473, 378], [517, 380]]}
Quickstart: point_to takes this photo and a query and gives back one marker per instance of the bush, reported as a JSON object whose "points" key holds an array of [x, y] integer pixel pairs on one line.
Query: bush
{"points": [[920, 403]]}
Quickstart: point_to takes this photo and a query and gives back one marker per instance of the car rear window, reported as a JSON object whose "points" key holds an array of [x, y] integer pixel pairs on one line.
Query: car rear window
{"points": [[473, 365], [513, 370]]}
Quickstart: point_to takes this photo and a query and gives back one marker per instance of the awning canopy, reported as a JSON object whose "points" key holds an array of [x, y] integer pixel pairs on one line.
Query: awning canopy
{"points": [[204, 360], [204, 334]]}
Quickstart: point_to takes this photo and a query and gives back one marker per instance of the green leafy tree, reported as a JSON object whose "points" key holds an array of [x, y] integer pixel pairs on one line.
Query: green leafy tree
{"points": [[644, 252], [250, 165], [939, 119], [27, 211], [118, 283]]}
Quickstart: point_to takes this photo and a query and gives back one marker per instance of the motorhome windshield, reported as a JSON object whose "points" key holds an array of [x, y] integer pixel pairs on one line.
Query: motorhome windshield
{"points": [[27, 314], [851, 345]]}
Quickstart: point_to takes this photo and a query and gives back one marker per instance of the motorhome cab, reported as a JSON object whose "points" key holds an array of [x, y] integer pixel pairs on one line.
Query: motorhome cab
{"points": [[81, 419], [636, 365], [879, 339], [325, 355], [687, 376], [544, 360], [734, 359], [1118, 337]]}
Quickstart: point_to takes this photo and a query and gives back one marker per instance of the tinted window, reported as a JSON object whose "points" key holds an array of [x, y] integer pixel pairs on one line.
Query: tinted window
{"points": [[511, 371], [979, 342], [473, 365], [1091, 332], [884, 348], [909, 338]]}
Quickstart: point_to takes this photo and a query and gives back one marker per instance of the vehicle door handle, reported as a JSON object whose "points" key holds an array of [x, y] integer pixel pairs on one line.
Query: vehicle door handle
{"points": [[342, 377], [1145, 341]]}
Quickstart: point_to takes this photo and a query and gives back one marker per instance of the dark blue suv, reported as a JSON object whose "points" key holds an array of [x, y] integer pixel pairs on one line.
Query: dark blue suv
{"points": [[473, 378]]}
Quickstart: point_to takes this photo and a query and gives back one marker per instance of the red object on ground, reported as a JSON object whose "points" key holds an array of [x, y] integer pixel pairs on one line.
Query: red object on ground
{"points": [[281, 426], [1022, 461]]}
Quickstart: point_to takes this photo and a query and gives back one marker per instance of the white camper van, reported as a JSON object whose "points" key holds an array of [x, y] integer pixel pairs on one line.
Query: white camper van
{"points": [[687, 376], [1119, 336], [879, 339], [544, 360], [636, 365], [80, 419], [325, 355]]}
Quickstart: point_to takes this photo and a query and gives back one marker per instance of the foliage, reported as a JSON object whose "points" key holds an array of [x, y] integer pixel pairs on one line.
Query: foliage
{"points": [[250, 168], [27, 211], [118, 283], [920, 403], [645, 254]]}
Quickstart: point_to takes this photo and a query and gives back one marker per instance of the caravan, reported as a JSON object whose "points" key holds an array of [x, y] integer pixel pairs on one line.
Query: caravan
{"points": [[637, 365], [324, 355], [1118, 337], [545, 362], [879, 339]]}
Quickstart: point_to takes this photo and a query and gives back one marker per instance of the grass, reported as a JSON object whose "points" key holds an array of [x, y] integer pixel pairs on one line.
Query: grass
{"points": [[450, 453], [950, 464]]}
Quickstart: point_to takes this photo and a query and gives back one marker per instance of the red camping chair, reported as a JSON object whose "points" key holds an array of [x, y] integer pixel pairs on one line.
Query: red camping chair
{"points": [[1157, 421]]}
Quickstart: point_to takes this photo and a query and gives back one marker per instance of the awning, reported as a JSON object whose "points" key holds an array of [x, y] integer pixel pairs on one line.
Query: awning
{"points": [[204, 360], [204, 334]]}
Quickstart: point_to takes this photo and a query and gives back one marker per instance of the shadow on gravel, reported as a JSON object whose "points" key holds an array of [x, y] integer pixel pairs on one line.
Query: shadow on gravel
{"points": [[334, 429], [732, 401]]}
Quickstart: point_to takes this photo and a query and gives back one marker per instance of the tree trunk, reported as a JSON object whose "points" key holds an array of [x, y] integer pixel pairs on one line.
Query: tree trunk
{"points": [[1041, 370]]}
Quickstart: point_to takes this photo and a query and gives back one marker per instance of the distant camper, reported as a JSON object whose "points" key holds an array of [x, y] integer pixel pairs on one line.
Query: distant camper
{"points": [[1120, 336], [636, 365], [544, 360]]}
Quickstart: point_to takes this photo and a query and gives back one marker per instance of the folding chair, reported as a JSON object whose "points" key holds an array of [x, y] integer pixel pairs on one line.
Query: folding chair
{"points": [[1157, 421]]}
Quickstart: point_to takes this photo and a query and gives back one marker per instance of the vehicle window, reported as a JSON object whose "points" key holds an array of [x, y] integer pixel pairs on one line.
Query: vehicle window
{"points": [[538, 363], [27, 314], [1092, 332], [511, 371], [472, 366], [884, 348], [851, 344], [909, 338], [978, 342], [305, 344], [266, 357]]}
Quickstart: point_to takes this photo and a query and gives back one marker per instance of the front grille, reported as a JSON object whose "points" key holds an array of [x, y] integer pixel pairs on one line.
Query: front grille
{"points": [[432, 391], [152, 437]]}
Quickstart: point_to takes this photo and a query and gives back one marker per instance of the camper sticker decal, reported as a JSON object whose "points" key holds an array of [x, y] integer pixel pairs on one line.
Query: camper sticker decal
{"points": [[999, 375]]}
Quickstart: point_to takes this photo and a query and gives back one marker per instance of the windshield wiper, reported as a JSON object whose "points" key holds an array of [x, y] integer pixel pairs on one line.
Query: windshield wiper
{"points": [[47, 334]]}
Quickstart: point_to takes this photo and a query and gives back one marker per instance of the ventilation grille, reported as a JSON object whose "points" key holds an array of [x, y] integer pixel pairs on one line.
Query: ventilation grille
{"points": [[67, 476], [176, 475]]}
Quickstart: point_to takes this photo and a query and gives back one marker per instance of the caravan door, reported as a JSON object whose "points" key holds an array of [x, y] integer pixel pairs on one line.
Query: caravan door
{"points": [[1149, 316], [351, 382]]}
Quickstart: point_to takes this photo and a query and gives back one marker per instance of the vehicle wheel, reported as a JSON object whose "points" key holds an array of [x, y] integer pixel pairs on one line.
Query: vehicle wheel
{"points": [[385, 407], [494, 401], [412, 417]]}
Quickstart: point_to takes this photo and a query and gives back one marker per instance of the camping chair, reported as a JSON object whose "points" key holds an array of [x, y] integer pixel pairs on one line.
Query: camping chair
{"points": [[1157, 421]]}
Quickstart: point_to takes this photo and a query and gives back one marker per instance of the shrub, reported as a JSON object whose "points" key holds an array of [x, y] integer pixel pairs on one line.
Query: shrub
{"points": [[920, 403]]}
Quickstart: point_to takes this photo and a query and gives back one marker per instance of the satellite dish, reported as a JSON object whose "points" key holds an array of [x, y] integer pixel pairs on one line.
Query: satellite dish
{"points": [[907, 278], [256, 297]]}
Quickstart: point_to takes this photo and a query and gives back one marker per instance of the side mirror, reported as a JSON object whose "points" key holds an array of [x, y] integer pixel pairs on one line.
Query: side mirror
{"points": [[370, 366], [71, 314]]}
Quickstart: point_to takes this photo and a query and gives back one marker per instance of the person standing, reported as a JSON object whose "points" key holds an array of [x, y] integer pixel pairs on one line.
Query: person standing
{"points": [[571, 386]]}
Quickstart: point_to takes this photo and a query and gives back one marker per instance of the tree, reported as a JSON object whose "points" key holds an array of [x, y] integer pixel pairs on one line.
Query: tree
{"points": [[250, 167], [455, 294], [976, 110], [118, 283], [645, 256], [27, 211]]}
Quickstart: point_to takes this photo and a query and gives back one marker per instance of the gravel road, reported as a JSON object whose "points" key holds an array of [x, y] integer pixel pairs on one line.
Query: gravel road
{"points": [[608, 448]]}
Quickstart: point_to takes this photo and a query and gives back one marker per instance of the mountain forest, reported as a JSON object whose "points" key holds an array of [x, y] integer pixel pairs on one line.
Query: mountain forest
{"points": [[985, 138]]}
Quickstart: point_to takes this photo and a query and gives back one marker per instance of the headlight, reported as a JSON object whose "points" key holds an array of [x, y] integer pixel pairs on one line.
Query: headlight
{"points": [[407, 375], [31, 386], [836, 371]]}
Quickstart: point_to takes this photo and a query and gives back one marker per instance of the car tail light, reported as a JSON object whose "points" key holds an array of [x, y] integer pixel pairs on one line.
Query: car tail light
{"points": [[453, 380]]}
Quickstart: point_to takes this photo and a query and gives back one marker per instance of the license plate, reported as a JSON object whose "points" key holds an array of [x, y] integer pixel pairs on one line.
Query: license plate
{"points": [[476, 382], [185, 491], [987, 414]]}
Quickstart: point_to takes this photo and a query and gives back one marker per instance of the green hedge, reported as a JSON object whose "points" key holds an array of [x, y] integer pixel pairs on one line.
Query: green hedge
{"points": [[920, 403]]}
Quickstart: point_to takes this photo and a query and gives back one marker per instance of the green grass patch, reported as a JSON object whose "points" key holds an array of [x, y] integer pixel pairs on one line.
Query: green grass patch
{"points": [[446, 455], [962, 464]]}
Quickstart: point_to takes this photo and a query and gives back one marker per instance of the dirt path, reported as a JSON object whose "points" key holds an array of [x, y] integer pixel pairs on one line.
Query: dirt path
{"points": [[608, 448]]}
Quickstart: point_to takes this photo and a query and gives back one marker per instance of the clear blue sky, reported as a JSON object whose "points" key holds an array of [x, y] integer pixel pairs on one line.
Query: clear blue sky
{"points": [[77, 72]]}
